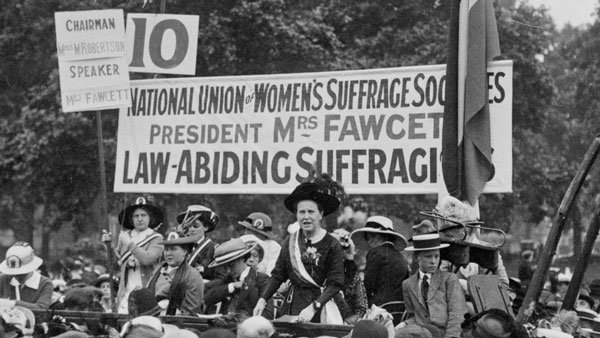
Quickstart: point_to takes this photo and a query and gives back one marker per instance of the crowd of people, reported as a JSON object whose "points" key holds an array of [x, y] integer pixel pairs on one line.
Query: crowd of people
{"points": [[310, 277]]}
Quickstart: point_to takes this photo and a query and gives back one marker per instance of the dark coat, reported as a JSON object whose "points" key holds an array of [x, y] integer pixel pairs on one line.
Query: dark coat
{"points": [[385, 270], [241, 300]]}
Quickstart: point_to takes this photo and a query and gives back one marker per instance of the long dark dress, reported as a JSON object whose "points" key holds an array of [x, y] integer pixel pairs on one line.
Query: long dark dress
{"points": [[385, 270], [327, 271]]}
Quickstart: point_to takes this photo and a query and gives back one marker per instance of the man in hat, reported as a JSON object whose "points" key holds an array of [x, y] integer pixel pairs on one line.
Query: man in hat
{"points": [[240, 290], [197, 221], [386, 267], [20, 283], [260, 225], [431, 296]]}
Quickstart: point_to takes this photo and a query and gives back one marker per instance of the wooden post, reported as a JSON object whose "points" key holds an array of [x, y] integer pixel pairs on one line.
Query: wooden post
{"points": [[104, 207], [582, 262], [558, 224]]}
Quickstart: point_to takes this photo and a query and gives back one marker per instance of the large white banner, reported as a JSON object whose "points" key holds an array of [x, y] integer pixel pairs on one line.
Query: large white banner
{"points": [[376, 131]]}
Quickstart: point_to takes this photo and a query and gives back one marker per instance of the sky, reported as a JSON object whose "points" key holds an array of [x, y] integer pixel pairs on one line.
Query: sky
{"points": [[576, 12]]}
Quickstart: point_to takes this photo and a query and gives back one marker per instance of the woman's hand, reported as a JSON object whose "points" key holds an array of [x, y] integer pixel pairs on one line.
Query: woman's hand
{"points": [[307, 314], [260, 307]]}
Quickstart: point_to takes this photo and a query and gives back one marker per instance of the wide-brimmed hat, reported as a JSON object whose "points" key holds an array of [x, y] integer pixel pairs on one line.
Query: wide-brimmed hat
{"points": [[20, 259], [156, 215], [174, 238], [587, 299], [144, 302], [259, 223], [367, 328], [105, 278], [312, 192], [231, 250], [586, 313], [378, 225], [208, 217], [491, 326], [426, 242]]}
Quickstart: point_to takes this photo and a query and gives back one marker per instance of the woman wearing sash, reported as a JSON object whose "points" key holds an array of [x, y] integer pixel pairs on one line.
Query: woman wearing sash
{"points": [[310, 258], [139, 248]]}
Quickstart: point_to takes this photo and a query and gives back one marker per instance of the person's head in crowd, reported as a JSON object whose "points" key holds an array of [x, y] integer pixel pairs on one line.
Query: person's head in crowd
{"points": [[595, 291], [377, 230], [367, 328], [255, 327], [563, 282], [258, 224], [492, 323], [567, 321], [217, 333], [180, 333], [527, 255], [141, 302], [103, 283], [233, 256], [310, 203], [143, 327], [426, 251], [197, 220], [141, 215], [21, 262], [83, 299], [177, 248], [585, 302], [258, 253], [256, 256]]}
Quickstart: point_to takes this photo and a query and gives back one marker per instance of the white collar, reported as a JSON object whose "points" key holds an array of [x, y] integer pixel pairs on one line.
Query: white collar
{"points": [[244, 273], [421, 274], [201, 239], [32, 282]]}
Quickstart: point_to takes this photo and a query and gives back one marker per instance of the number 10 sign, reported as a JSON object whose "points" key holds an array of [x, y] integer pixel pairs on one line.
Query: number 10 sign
{"points": [[162, 43]]}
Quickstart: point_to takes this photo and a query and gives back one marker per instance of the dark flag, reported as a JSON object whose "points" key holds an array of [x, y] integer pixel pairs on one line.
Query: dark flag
{"points": [[466, 146]]}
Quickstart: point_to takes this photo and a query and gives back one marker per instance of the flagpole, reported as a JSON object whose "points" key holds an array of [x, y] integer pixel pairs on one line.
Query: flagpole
{"points": [[558, 225], [582, 262], [104, 207]]}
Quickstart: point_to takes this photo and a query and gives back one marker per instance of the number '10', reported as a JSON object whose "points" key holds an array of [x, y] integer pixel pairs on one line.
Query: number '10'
{"points": [[155, 43]]}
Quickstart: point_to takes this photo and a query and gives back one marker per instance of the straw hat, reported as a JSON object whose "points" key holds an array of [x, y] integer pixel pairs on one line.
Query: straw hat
{"points": [[20, 259], [426, 242], [230, 251], [259, 223], [175, 238], [377, 225], [312, 192], [207, 216], [156, 215]]}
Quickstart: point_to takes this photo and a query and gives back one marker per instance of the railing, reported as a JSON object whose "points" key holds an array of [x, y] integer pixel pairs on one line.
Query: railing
{"points": [[201, 324]]}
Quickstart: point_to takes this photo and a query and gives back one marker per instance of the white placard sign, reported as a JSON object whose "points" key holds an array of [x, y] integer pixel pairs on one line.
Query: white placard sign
{"points": [[92, 60], [162, 43], [377, 131]]}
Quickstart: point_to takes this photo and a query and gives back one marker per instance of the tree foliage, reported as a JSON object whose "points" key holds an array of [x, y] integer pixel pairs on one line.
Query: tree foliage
{"points": [[50, 159]]}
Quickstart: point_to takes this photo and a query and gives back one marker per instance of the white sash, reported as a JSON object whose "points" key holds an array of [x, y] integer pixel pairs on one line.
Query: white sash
{"points": [[330, 314]]}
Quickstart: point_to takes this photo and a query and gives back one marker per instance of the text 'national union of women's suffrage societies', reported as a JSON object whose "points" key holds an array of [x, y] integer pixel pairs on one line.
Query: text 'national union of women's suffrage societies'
{"points": [[376, 131]]}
